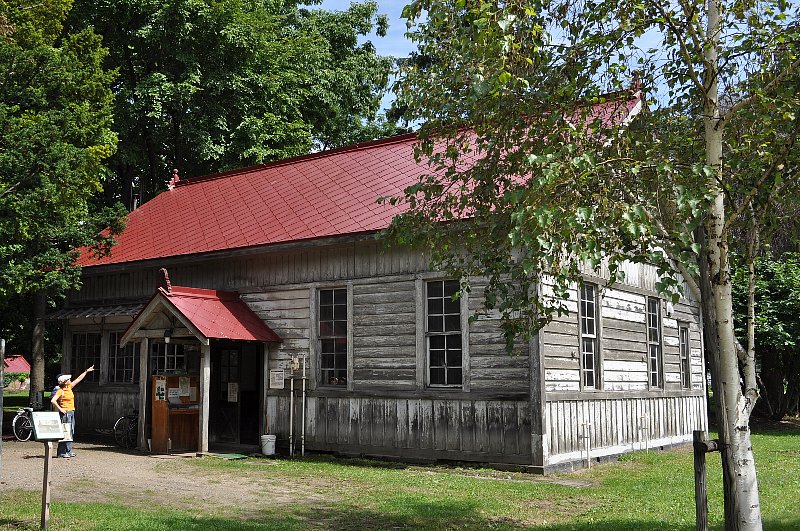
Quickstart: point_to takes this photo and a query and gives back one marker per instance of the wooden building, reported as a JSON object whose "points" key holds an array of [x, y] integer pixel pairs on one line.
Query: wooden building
{"points": [[281, 262]]}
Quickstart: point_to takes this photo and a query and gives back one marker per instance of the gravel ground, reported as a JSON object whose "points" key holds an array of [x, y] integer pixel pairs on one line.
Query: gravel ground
{"points": [[104, 473]]}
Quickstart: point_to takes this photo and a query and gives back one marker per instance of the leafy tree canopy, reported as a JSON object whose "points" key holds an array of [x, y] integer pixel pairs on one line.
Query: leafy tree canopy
{"points": [[209, 86], [515, 99], [777, 329], [55, 118], [504, 87]]}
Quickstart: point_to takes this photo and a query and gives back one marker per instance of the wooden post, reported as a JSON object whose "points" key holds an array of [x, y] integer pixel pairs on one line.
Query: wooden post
{"points": [[701, 446], [144, 377], [205, 391], [48, 460], [587, 437]]}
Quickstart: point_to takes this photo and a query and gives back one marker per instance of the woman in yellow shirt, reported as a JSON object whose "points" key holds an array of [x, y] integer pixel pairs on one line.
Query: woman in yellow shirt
{"points": [[64, 401]]}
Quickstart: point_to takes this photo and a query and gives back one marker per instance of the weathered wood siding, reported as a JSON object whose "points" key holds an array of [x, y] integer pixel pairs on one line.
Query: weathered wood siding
{"points": [[100, 408], [622, 338], [284, 266], [384, 335], [387, 407], [689, 316], [492, 368], [416, 428], [560, 346], [615, 425], [287, 312]]}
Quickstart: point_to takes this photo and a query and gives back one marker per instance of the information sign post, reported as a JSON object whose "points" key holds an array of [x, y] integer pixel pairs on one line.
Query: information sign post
{"points": [[47, 428]]}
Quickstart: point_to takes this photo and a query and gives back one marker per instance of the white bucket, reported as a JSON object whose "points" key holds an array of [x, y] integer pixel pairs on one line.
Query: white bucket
{"points": [[268, 444]]}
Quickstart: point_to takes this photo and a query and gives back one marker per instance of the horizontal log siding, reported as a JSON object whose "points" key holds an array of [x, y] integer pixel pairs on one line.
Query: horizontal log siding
{"points": [[287, 312], [624, 342], [560, 347], [492, 368], [472, 430], [619, 425], [686, 314], [384, 336], [321, 263]]}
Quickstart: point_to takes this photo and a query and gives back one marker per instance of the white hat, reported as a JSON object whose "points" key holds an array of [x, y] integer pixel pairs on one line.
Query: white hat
{"points": [[63, 378]]}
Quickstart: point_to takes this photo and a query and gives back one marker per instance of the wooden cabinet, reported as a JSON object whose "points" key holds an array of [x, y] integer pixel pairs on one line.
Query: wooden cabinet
{"points": [[175, 413]]}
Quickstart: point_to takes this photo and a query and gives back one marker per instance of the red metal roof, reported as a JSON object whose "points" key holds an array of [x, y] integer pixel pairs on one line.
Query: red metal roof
{"points": [[16, 363], [218, 314], [314, 196]]}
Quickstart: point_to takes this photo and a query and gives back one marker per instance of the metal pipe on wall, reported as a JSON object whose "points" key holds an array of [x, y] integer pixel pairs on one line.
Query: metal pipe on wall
{"points": [[291, 414], [303, 427]]}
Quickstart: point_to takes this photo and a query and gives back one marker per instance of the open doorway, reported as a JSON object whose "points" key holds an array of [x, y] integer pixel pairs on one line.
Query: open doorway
{"points": [[235, 401]]}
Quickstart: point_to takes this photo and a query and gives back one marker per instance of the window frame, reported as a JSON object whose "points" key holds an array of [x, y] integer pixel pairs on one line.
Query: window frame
{"points": [[130, 350], [174, 356], [587, 337], [87, 360], [445, 333], [655, 364], [685, 355], [319, 337]]}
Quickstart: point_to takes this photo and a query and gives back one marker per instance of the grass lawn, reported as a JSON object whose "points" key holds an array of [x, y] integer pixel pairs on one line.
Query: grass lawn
{"points": [[646, 490], [14, 399]]}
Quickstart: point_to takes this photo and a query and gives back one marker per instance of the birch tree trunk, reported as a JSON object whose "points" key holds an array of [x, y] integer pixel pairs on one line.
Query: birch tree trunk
{"points": [[742, 507]]}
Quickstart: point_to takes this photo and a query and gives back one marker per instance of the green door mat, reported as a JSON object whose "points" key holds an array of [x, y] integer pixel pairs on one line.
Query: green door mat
{"points": [[228, 456]]}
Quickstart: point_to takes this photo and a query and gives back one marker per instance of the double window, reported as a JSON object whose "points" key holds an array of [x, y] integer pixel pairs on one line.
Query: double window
{"points": [[683, 336], [122, 366], [590, 355], [654, 342], [444, 339], [332, 321], [85, 353], [167, 358]]}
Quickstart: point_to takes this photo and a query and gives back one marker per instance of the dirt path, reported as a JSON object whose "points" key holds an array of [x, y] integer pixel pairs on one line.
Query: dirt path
{"points": [[105, 473]]}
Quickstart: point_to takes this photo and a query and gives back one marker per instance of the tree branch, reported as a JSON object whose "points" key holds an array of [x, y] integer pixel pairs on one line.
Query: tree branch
{"points": [[683, 48], [10, 189], [771, 85], [776, 165]]}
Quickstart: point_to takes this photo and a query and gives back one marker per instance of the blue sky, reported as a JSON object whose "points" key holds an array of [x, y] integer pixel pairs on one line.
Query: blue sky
{"points": [[395, 43]]}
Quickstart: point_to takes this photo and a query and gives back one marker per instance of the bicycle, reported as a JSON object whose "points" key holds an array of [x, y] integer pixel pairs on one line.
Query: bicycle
{"points": [[126, 430], [22, 425]]}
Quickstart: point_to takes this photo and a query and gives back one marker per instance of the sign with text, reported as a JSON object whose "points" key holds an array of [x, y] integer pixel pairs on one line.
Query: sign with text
{"points": [[233, 391], [276, 378], [161, 389], [47, 426]]}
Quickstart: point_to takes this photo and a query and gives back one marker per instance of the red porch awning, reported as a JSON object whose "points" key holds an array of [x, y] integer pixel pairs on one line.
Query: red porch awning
{"points": [[207, 314]]}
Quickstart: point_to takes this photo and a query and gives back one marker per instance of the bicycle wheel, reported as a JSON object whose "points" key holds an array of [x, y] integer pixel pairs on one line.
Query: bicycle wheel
{"points": [[132, 433], [23, 429], [121, 431]]}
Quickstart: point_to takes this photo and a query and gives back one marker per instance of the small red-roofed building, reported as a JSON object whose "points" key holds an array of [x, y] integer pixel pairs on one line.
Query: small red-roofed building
{"points": [[284, 313], [18, 366]]}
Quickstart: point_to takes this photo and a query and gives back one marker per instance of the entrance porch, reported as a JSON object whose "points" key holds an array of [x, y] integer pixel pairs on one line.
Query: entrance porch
{"points": [[204, 353]]}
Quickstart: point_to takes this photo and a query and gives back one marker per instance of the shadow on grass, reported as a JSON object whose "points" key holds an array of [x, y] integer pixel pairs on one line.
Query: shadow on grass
{"points": [[357, 462], [22, 513], [376, 522], [422, 516]]}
